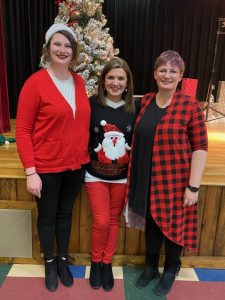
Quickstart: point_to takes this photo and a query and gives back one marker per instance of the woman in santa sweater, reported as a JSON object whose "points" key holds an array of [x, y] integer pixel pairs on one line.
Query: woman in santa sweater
{"points": [[113, 113], [168, 158], [52, 133]]}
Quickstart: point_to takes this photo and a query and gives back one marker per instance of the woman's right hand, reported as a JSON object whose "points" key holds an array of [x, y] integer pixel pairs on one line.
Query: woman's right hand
{"points": [[34, 185]]}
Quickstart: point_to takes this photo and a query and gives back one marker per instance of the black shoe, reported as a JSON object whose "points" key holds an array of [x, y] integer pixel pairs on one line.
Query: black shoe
{"points": [[64, 272], [51, 277], [170, 272], [165, 284], [95, 278], [147, 276], [107, 277]]}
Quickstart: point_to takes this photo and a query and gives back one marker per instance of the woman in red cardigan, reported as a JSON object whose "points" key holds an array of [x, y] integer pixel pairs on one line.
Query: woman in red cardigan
{"points": [[170, 134], [52, 133]]}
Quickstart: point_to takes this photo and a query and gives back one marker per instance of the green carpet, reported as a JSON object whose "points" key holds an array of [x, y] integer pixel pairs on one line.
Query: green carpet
{"points": [[130, 275], [4, 270]]}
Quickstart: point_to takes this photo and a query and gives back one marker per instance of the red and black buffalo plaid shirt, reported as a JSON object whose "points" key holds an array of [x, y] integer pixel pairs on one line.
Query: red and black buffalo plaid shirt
{"points": [[181, 131]]}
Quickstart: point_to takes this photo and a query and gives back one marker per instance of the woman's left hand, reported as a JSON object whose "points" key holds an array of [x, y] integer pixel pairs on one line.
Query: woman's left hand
{"points": [[190, 198]]}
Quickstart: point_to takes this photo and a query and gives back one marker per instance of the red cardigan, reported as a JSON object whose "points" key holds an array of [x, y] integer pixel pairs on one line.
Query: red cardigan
{"points": [[48, 136], [181, 131]]}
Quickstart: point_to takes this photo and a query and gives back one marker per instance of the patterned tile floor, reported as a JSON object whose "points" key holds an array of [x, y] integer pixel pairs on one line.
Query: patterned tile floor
{"points": [[25, 282]]}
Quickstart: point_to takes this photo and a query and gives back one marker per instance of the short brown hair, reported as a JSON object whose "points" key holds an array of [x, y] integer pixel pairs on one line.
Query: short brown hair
{"points": [[170, 56], [73, 43], [117, 63]]}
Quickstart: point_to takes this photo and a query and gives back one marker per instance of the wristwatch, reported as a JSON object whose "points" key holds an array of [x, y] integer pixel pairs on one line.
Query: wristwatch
{"points": [[193, 189]]}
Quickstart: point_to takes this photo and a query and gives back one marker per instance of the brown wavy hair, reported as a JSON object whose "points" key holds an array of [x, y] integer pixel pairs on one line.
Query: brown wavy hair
{"points": [[117, 63]]}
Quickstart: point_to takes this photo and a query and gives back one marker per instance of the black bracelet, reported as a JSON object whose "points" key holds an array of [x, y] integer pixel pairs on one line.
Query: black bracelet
{"points": [[31, 174], [193, 189]]}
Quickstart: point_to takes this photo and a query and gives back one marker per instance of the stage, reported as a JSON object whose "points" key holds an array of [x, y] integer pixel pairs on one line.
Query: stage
{"points": [[130, 246]]}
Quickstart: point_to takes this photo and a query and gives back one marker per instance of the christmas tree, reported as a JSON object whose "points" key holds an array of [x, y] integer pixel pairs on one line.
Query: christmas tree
{"points": [[85, 17]]}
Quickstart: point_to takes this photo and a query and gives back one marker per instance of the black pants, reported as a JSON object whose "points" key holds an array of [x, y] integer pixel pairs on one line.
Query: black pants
{"points": [[154, 239], [55, 206]]}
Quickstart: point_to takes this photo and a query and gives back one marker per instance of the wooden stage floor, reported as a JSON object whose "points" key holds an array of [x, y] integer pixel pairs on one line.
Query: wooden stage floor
{"points": [[130, 244], [214, 174]]}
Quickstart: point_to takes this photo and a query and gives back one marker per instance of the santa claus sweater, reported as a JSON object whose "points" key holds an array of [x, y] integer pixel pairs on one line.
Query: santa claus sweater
{"points": [[110, 139]]}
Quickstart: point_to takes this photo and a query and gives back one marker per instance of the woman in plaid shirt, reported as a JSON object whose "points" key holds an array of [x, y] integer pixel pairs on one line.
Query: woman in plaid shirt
{"points": [[170, 133]]}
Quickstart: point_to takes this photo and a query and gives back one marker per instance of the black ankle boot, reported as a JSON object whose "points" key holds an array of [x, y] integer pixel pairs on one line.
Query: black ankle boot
{"points": [[95, 278], [147, 276], [107, 277], [51, 277], [64, 272], [151, 270], [166, 282]]}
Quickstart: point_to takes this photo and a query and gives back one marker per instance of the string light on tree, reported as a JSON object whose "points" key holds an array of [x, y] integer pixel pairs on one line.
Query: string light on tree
{"points": [[85, 17]]}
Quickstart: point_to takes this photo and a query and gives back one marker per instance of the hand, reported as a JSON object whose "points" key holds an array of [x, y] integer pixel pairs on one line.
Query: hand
{"points": [[190, 198], [34, 185]]}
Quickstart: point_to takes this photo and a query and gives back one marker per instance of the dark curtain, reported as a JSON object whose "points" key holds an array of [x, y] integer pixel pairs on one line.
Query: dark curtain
{"points": [[4, 100], [142, 29], [25, 24]]}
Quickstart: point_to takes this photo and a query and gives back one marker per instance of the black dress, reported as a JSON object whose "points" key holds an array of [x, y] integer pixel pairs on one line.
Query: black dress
{"points": [[141, 164]]}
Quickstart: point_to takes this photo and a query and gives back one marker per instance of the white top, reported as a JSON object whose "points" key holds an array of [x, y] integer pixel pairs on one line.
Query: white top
{"points": [[114, 104], [67, 89], [90, 178]]}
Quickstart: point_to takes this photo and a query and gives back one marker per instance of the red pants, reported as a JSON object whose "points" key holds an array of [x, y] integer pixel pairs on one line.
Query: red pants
{"points": [[106, 201]]}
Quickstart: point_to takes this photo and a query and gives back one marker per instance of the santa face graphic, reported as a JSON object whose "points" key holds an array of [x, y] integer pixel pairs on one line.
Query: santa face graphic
{"points": [[114, 145]]}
